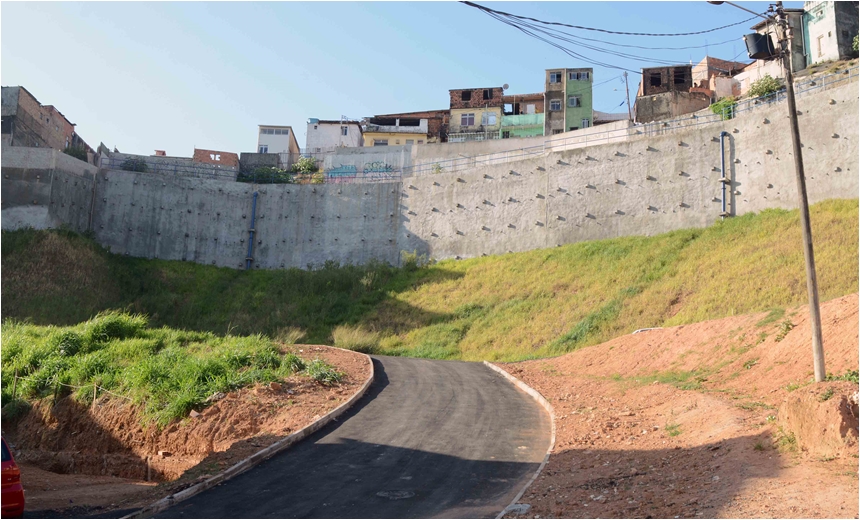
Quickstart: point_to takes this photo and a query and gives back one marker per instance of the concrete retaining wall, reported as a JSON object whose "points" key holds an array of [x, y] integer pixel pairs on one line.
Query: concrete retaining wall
{"points": [[636, 185], [44, 188], [207, 221]]}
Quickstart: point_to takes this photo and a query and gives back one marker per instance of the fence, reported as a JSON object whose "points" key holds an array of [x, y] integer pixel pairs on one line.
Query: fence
{"points": [[141, 164], [648, 129]]}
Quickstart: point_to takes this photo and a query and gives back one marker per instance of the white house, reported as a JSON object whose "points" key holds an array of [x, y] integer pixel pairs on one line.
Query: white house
{"points": [[325, 135], [277, 139]]}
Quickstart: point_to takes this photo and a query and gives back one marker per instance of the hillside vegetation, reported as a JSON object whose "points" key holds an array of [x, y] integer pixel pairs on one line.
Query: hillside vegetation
{"points": [[505, 308]]}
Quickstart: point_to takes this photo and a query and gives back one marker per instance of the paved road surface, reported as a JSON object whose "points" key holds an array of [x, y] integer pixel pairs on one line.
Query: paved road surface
{"points": [[429, 439]]}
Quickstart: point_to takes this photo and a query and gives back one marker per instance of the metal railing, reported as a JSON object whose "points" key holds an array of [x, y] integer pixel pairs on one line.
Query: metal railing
{"points": [[141, 164]]}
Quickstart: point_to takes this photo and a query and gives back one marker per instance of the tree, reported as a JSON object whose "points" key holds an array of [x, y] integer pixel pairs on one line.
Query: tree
{"points": [[764, 86], [725, 107], [133, 164], [305, 165]]}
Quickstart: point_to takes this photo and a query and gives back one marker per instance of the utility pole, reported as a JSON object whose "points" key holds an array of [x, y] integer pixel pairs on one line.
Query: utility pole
{"points": [[808, 254], [627, 88]]}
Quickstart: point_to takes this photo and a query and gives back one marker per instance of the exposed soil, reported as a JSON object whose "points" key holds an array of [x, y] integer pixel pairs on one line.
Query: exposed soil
{"points": [[93, 459], [745, 435]]}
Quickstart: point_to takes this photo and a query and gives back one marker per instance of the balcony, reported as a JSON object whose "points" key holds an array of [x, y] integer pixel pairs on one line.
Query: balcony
{"points": [[400, 125]]}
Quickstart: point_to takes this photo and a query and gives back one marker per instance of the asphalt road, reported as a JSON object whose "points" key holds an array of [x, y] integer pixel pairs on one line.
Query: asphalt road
{"points": [[429, 439]]}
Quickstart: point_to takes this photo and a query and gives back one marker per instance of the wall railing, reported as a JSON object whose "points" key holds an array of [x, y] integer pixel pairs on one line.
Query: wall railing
{"points": [[165, 168]]}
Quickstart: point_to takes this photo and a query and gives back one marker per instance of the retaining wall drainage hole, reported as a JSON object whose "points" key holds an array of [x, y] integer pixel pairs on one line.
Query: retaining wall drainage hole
{"points": [[395, 495]]}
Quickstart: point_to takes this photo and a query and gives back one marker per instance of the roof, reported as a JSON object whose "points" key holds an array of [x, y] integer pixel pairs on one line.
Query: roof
{"points": [[440, 111], [535, 95], [337, 122], [472, 88], [606, 116], [275, 126], [667, 67]]}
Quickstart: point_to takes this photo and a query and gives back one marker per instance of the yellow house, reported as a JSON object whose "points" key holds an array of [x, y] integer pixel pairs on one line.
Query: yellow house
{"points": [[381, 131], [485, 120]]}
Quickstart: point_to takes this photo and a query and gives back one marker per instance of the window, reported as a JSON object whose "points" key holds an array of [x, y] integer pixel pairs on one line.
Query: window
{"points": [[488, 119], [586, 123], [466, 95], [555, 104], [530, 109], [577, 76], [344, 130], [656, 79], [467, 119], [488, 93], [397, 141], [380, 142], [556, 132], [574, 128], [506, 134], [315, 127], [679, 76], [574, 101], [555, 77], [420, 141], [410, 141], [317, 149], [215, 156], [819, 45]]}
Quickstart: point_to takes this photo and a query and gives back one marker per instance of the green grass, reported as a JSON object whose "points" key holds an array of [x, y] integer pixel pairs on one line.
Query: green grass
{"points": [[167, 371], [673, 430], [500, 308]]}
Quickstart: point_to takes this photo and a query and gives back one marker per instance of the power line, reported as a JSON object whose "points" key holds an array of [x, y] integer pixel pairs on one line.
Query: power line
{"points": [[502, 13], [642, 46]]}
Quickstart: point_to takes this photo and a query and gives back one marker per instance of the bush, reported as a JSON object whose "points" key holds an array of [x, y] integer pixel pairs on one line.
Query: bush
{"points": [[78, 152], [133, 164], [764, 86], [725, 107], [114, 325], [305, 165], [412, 261], [323, 373], [266, 174]]}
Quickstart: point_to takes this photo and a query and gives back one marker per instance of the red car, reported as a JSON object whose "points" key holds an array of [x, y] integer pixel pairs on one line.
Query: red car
{"points": [[12, 500]]}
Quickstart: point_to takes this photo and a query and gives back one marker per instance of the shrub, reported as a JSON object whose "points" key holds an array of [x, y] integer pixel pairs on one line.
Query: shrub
{"points": [[764, 86], [305, 165], [412, 261], [266, 174], [133, 164], [725, 107], [323, 373], [114, 325], [294, 363], [78, 152]]}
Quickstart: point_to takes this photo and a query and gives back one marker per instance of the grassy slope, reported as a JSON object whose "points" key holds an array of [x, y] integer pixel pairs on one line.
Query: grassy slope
{"points": [[508, 307]]}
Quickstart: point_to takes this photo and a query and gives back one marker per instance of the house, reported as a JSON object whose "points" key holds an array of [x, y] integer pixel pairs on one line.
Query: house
{"points": [[568, 100], [522, 115], [437, 122], [26, 122], [217, 158], [602, 118], [715, 77], [387, 131], [475, 114], [326, 135], [668, 92], [277, 139], [829, 29]]}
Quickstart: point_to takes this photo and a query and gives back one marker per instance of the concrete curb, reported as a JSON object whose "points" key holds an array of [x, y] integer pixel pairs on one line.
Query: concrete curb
{"points": [[255, 459], [548, 407]]}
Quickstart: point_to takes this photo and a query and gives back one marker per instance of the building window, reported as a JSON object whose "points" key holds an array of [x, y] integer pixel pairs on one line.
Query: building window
{"points": [[555, 77], [656, 79], [215, 156], [530, 109], [410, 141], [317, 149], [586, 123], [819, 45], [467, 119], [574, 101], [578, 76], [380, 142], [488, 93], [466, 95], [506, 134], [558, 131], [344, 130], [488, 119], [679, 76], [397, 141], [420, 141], [555, 104], [574, 128]]}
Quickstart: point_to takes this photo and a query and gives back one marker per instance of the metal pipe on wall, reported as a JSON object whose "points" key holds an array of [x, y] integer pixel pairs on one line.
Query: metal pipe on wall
{"points": [[249, 258], [724, 179]]}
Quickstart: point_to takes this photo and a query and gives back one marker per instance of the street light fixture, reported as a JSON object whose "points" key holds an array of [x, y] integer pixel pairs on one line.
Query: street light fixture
{"points": [[783, 30]]}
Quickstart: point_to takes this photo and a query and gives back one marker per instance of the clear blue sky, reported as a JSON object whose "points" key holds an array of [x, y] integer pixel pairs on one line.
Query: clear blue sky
{"points": [[172, 76]]}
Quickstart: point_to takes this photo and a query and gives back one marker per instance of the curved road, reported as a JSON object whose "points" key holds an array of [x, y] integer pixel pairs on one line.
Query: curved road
{"points": [[429, 439]]}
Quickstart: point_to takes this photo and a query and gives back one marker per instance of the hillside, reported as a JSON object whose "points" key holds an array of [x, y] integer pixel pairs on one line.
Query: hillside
{"points": [[504, 308]]}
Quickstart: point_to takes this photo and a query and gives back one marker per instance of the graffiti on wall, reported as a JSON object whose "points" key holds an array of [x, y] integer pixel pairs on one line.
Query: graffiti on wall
{"points": [[372, 171]]}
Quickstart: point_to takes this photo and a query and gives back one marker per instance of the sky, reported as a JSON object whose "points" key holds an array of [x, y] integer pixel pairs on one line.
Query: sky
{"points": [[141, 76]]}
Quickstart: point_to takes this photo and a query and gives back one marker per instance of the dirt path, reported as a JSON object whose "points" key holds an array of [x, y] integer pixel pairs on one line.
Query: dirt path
{"points": [[705, 420], [83, 461]]}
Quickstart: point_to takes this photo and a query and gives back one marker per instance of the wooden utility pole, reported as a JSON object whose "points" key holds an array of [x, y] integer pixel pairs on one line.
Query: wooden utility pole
{"points": [[627, 88], [808, 254]]}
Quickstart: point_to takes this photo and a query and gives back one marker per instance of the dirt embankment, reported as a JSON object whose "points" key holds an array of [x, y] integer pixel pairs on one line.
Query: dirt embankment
{"points": [[68, 442], [714, 419]]}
